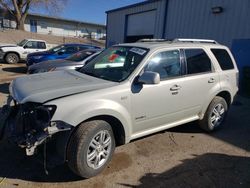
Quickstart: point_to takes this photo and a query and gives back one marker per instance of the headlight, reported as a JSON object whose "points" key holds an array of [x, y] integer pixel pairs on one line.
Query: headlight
{"points": [[37, 57], [44, 113]]}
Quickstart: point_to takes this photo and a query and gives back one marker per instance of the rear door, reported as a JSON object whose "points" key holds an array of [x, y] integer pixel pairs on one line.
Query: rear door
{"points": [[31, 47], [229, 74], [201, 80]]}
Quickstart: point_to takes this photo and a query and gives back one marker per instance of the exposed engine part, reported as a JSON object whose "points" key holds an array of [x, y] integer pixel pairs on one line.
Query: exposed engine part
{"points": [[29, 125]]}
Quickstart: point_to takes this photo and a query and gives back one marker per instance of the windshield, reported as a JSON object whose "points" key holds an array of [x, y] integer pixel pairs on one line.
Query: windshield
{"points": [[57, 48], [80, 56], [116, 63], [23, 42]]}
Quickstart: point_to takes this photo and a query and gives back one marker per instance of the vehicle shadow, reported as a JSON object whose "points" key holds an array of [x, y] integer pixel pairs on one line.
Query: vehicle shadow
{"points": [[236, 129], [15, 164], [207, 170], [18, 70], [4, 88]]}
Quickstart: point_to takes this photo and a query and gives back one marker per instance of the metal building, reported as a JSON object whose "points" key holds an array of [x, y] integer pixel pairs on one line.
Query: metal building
{"points": [[226, 21], [43, 24], [222, 20]]}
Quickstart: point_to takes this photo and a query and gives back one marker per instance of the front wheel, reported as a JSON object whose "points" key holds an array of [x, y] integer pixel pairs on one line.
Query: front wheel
{"points": [[12, 58], [90, 148], [215, 115]]}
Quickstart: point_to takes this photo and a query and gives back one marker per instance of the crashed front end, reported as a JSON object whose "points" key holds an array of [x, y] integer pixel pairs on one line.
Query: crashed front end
{"points": [[29, 125]]}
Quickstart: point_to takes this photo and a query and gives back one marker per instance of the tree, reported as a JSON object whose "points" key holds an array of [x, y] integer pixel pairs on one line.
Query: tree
{"points": [[19, 8]]}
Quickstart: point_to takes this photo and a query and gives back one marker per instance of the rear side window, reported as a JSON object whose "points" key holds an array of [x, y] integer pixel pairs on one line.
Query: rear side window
{"points": [[223, 58], [41, 45], [197, 61]]}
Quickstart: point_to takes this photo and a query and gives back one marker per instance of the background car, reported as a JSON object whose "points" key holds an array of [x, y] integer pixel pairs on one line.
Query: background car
{"points": [[74, 61], [58, 52], [13, 53]]}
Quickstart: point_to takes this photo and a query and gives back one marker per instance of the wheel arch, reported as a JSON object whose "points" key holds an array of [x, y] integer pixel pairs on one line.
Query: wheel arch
{"points": [[6, 53], [116, 125], [225, 94]]}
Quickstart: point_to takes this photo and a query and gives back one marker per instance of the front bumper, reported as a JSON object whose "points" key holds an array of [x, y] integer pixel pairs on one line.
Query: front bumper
{"points": [[19, 126], [2, 54]]}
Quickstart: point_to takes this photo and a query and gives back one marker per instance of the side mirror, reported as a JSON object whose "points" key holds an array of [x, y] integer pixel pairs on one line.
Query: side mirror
{"points": [[25, 46], [149, 77]]}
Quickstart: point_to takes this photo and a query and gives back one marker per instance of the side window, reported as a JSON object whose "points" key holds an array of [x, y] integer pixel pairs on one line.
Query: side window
{"points": [[197, 61], [68, 50], [41, 45], [167, 64], [31, 45], [223, 58]]}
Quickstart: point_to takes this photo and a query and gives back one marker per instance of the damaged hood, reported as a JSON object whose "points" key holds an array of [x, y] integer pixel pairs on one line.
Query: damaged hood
{"points": [[43, 87]]}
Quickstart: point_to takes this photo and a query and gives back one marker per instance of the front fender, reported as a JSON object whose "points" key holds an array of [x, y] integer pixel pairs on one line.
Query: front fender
{"points": [[76, 113]]}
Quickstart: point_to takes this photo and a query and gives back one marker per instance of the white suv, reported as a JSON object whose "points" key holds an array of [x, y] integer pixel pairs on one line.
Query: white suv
{"points": [[126, 92], [14, 53]]}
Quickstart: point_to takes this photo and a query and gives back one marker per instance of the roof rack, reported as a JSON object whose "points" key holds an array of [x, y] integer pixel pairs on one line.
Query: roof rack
{"points": [[154, 40], [196, 41]]}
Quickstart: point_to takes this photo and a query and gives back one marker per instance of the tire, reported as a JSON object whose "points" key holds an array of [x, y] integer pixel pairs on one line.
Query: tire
{"points": [[12, 58], [80, 148], [213, 120]]}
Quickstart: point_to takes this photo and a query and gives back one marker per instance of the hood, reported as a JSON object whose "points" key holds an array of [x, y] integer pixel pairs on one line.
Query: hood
{"points": [[43, 87], [8, 45], [40, 53]]}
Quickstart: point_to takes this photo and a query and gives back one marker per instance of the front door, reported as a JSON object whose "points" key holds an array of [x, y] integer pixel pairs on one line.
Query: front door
{"points": [[33, 26], [157, 105]]}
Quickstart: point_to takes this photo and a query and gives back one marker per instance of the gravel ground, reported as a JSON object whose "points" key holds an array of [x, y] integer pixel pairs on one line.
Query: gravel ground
{"points": [[184, 156]]}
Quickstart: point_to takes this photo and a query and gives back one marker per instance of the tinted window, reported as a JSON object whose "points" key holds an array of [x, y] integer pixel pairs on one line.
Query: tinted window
{"points": [[41, 45], [197, 61], [31, 44], [79, 56], [167, 64], [69, 50], [223, 58]]}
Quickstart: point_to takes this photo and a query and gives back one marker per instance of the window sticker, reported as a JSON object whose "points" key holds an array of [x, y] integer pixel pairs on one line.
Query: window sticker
{"points": [[138, 51]]}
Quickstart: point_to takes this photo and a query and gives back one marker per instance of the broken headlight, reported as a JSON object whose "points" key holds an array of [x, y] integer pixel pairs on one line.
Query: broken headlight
{"points": [[43, 114]]}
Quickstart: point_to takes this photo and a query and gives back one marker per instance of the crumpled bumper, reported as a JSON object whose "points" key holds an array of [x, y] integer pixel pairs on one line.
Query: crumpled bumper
{"points": [[20, 126]]}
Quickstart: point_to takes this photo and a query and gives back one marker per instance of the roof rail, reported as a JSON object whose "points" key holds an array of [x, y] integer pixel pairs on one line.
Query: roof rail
{"points": [[196, 40], [154, 40]]}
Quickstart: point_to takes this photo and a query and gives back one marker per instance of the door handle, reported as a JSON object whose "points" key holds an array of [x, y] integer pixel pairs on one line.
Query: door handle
{"points": [[175, 88], [211, 80]]}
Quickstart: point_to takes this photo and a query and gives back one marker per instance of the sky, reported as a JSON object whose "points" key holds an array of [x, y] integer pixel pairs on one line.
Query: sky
{"points": [[90, 10]]}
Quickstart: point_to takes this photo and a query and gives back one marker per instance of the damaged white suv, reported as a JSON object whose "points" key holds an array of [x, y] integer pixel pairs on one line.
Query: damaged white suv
{"points": [[128, 91]]}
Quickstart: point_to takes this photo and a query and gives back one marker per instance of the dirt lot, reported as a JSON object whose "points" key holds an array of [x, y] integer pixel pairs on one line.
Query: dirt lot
{"points": [[181, 157]]}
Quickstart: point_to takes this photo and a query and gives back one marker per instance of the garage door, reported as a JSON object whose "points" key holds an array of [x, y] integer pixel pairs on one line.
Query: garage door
{"points": [[141, 24]]}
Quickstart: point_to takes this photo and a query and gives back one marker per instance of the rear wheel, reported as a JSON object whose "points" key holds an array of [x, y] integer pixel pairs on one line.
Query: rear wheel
{"points": [[90, 148], [12, 58], [215, 115]]}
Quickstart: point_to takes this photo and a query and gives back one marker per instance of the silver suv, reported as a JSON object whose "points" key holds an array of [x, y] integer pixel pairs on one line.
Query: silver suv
{"points": [[126, 92]]}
